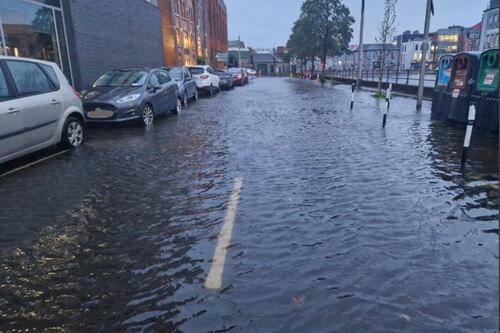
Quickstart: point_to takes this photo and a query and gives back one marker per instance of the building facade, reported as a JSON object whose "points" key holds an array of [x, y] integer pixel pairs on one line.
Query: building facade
{"points": [[411, 54], [215, 16], [446, 41], [471, 38], [180, 31], [84, 37], [489, 31]]}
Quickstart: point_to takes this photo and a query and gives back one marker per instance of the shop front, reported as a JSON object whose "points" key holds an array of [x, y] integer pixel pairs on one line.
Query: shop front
{"points": [[34, 29]]}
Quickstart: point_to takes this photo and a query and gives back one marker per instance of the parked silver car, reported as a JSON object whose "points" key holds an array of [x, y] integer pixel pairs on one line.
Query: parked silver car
{"points": [[186, 83], [38, 108]]}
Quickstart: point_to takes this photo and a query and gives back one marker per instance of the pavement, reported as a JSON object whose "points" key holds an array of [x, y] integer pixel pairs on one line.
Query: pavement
{"points": [[270, 208]]}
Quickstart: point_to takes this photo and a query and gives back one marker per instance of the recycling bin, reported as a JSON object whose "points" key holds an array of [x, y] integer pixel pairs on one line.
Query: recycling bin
{"points": [[462, 84], [439, 108], [485, 95]]}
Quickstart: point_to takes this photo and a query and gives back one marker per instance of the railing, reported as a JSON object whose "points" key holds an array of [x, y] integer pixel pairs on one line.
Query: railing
{"points": [[405, 77]]}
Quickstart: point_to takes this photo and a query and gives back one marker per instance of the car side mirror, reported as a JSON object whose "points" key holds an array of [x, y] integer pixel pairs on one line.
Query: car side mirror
{"points": [[155, 87]]}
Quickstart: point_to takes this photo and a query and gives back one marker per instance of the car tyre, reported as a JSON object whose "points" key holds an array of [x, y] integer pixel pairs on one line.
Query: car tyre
{"points": [[185, 99], [195, 97], [148, 115], [73, 133]]}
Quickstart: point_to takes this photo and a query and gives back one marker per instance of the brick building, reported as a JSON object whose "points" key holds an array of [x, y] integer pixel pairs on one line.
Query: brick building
{"points": [[215, 30], [193, 29], [179, 28]]}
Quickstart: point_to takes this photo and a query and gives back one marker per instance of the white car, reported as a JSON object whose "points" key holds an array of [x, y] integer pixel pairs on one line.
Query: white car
{"points": [[38, 108], [206, 78], [251, 72]]}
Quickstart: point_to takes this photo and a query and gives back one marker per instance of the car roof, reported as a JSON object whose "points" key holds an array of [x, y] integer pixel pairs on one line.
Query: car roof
{"points": [[27, 59]]}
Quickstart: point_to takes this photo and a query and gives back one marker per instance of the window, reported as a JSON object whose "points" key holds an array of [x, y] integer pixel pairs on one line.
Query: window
{"points": [[163, 78], [4, 89], [187, 75], [29, 78], [154, 81], [51, 73], [121, 78]]}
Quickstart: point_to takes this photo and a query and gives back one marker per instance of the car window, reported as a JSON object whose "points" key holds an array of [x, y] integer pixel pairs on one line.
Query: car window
{"points": [[187, 74], [176, 73], [29, 78], [122, 78], [196, 70], [154, 81], [51, 73], [4, 89], [164, 77]]}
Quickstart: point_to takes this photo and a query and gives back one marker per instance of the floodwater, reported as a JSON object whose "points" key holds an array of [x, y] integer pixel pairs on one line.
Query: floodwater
{"points": [[341, 225]]}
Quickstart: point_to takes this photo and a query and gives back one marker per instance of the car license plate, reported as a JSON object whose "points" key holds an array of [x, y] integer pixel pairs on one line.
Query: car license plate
{"points": [[99, 113]]}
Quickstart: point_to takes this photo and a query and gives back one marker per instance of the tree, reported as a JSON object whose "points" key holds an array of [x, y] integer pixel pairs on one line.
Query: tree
{"points": [[331, 30], [300, 42], [386, 32]]}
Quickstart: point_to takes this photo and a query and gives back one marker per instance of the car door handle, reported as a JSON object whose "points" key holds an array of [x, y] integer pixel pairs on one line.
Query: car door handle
{"points": [[55, 102], [12, 111]]}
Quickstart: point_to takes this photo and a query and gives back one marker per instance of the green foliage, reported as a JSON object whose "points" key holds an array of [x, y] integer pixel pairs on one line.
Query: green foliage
{"points": [[323, 28], [202, 61]]}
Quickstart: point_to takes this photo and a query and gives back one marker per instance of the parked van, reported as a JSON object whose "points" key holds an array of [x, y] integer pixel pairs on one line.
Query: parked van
{"points": [[38, 108]]}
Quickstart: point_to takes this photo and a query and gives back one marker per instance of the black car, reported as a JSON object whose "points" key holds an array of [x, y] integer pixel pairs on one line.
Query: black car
{"points": [[226, 80], [131, 95]]}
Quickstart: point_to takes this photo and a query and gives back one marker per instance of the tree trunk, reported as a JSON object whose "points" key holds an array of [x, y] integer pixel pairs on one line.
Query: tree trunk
{"points": [[323, 65]]}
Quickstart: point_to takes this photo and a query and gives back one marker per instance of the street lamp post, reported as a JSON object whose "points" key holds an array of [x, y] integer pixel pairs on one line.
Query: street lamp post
{"points": [[360, 48], [424, 48]]}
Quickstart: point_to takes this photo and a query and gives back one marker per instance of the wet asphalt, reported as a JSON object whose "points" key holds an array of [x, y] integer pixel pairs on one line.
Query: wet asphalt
{"points": [[341, 226]]}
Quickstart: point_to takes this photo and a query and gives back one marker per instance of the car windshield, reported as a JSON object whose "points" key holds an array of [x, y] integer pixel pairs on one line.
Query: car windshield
{"points": [[196, 70], [176, 73], [234, 70], [120, 78]]}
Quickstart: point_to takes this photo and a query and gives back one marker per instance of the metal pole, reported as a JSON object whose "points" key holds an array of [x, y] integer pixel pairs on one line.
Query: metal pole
{"points": [[239, 51], [424, 55], [360, 48]]}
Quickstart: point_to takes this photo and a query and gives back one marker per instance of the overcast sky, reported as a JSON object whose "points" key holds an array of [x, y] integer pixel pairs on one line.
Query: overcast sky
{"points": [[261, 23]]}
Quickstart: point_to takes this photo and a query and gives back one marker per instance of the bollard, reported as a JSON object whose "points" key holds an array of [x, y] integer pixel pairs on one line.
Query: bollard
{"points": [[388, 100], [468, 132], [353, 86]]}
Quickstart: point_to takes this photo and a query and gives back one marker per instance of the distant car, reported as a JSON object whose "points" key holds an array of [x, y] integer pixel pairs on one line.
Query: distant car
{"points": [[206, 78], [38, 108], [226, 81], [251, 72], [186, 83], [238, 75], [131, 95]]}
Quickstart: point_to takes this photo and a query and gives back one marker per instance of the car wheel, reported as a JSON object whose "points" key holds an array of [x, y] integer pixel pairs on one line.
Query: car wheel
{"points": [[73, 133], [185, 99], [148, 115], [195, 94], [178, 106]]}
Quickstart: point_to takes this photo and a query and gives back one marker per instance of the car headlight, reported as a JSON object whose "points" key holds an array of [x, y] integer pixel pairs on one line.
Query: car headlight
{"points": [[129, 98]]}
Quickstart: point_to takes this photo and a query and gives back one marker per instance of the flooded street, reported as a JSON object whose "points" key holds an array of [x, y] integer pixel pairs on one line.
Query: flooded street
{"points": [[339, 225]]}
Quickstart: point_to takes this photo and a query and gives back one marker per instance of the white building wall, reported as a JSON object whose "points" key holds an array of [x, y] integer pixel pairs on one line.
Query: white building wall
{"points": [[411, 53]]}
